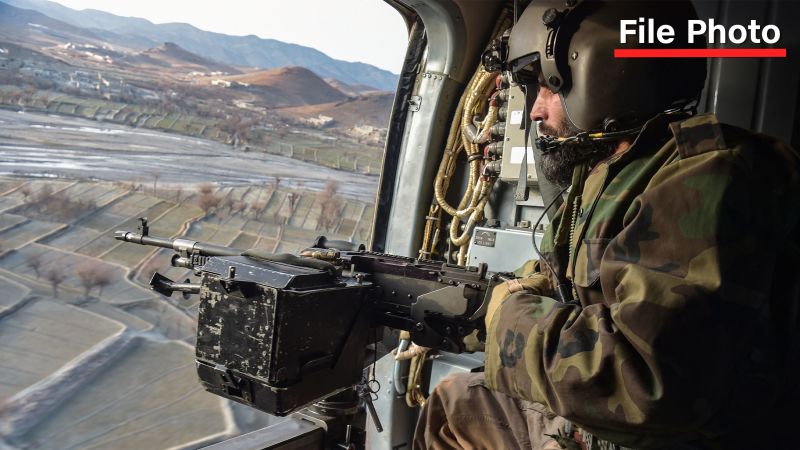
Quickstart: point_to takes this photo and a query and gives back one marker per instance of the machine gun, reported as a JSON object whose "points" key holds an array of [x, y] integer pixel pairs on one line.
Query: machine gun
{"points": [[278, 332]]}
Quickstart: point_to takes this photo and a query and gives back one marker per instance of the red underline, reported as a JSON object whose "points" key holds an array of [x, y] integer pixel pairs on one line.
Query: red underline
{"points": [[699, 53]]}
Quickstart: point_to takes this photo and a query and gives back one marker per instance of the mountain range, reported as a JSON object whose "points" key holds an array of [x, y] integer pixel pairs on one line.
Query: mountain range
{"points": [[249, 51]]}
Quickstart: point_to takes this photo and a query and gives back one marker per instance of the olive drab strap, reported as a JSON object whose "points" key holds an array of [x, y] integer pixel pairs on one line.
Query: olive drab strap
{"points": [[565, 233]]}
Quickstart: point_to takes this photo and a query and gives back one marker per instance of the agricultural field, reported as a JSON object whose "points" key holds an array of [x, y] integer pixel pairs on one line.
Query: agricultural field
{"points": [[146, 399], [42, 336], [12, 291], [72, 292]]}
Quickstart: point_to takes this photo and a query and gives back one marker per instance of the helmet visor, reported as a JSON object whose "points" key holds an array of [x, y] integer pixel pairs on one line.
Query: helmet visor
{"points": [[525, 70]]}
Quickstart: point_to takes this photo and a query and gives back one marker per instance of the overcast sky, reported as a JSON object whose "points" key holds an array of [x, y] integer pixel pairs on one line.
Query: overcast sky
{"points": [[369, 31]]}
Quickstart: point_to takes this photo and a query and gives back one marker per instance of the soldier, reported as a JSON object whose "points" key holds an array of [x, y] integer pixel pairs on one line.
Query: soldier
{"points": [[676, 254]]}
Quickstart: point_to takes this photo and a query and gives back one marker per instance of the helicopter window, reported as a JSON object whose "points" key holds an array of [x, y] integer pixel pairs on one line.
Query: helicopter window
{"points": [[239, 125]]}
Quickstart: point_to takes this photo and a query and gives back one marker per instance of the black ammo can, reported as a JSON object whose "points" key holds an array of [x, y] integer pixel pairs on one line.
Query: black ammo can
{"points": [[276, 336]]}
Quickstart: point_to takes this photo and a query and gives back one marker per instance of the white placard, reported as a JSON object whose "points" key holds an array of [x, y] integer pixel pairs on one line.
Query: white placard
{"points": [[516, 117], [517, 154]]}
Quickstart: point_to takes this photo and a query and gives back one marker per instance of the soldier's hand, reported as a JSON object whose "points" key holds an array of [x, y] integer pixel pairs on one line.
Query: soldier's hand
{"points": [[536, 283]]}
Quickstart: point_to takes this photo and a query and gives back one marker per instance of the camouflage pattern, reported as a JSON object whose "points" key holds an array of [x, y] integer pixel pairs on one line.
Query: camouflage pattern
{"points": [[528, 268], [683, 254], [531, 282]]}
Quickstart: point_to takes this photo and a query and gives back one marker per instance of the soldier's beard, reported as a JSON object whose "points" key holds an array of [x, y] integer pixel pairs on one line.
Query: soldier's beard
{"points": [[558, 165]]}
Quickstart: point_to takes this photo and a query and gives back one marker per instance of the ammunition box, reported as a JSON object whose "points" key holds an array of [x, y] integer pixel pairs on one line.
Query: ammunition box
{"points": [[258, 338]]}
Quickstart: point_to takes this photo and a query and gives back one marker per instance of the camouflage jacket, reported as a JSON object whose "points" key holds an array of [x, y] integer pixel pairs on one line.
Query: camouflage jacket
{"points": [[683, 252]]}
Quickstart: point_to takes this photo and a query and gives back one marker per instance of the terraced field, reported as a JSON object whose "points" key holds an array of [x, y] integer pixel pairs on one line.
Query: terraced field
{"points": [[27, 231], [141, 390], [118, 290], [9, 220], [43, 335], [147, 399], [12, 291]]}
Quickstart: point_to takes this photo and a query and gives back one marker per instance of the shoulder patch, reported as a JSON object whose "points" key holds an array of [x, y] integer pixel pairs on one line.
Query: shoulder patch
{"points": [[697, 135]]}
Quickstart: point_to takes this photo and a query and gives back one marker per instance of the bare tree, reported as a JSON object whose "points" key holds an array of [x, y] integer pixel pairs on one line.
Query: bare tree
{"points": [[103, 278], [85, 274], [57, 205], [293, 197], [207, 188], [92, 274], [330, 205], [45, 191], [55, 276], [228, 204], [208, 202], [25, 190], [43, 196], [258, 209], [243, 133], [239, 130], [208, 199], [35, 262]]}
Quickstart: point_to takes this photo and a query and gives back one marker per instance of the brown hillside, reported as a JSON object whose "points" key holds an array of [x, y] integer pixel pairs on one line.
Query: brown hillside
{"points": [[371, 109], [290, 86], [173, 56]]}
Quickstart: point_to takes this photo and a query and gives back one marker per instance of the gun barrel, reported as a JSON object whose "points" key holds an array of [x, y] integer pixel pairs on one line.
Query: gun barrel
{"points": [[137, 238], [179, 245]]}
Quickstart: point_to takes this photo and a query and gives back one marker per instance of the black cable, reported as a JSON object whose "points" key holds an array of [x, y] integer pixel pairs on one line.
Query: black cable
{"points": [[375, 347], [374, 391], [536, 225], [556, 198], [521, 192]]}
